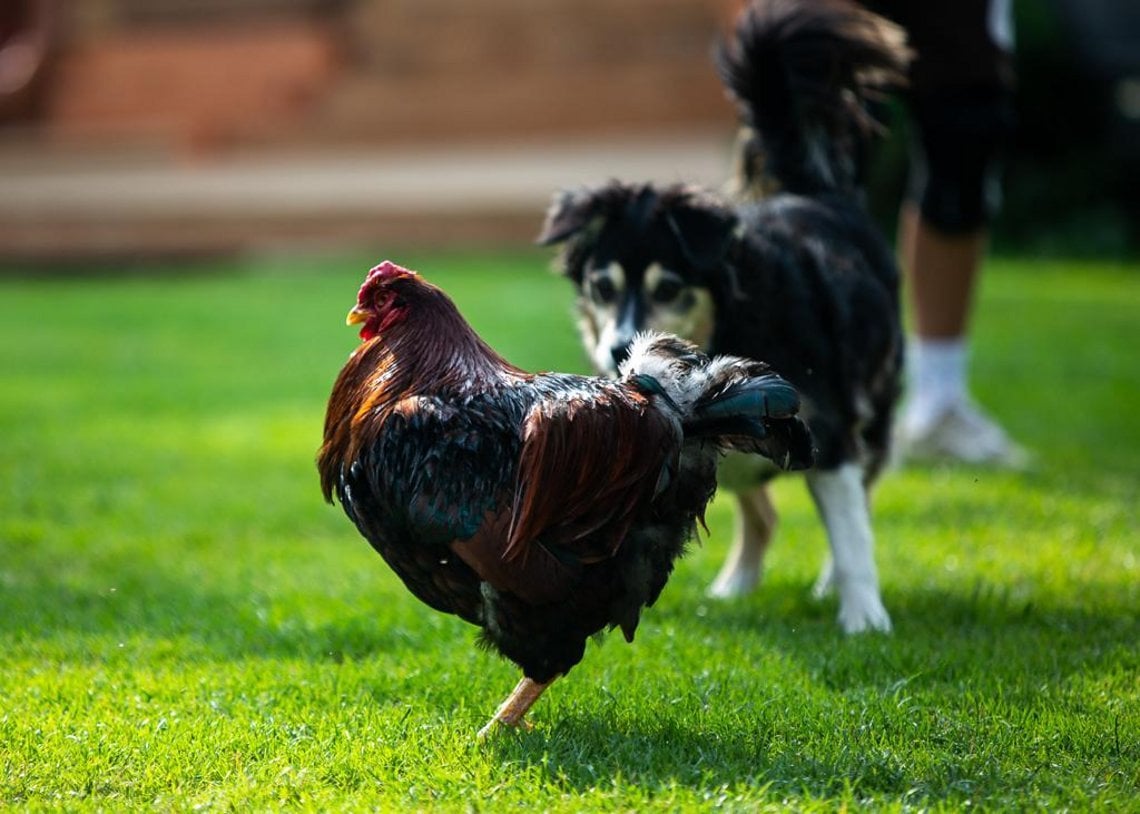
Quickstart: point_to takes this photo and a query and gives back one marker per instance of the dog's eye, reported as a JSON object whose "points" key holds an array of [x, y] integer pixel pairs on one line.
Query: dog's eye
{"points": [[604, 290], [667, 290]]}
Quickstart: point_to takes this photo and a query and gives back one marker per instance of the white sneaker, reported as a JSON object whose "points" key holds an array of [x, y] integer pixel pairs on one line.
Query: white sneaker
{"points": [[961, 433]]}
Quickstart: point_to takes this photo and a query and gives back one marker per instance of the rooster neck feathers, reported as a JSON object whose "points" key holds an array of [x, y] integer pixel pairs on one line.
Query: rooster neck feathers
{"points": [[430, 350], [434, 346]]}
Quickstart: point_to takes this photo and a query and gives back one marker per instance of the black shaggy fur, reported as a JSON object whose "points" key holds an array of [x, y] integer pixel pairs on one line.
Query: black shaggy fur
{"points": [[805, 284], [798, 274]]}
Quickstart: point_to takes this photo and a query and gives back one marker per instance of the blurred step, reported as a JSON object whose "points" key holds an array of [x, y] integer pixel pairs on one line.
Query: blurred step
{"points": [[80, 206]]}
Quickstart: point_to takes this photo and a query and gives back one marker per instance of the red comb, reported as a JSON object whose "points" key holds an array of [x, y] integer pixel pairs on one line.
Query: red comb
{"points": [[382, 273], [387, 271]]}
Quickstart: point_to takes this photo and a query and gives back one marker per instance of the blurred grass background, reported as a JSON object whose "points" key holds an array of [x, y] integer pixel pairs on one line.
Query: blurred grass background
{"points": [[184, 624]]}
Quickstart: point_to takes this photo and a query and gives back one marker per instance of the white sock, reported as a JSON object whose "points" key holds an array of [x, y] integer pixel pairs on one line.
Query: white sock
{"points": [[936, 380]]}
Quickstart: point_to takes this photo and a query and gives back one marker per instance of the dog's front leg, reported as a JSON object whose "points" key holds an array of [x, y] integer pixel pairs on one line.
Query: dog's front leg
{"points": [[755, 522], [842, 502]]}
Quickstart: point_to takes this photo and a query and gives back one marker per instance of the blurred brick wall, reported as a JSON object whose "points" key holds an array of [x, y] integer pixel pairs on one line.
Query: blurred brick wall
{"points": [[205, 73], [432, 68], [190, 73]]}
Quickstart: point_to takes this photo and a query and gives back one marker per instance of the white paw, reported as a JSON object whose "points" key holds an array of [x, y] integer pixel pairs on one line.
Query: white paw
{"points": [[825, 582], [734, 581], [861, 609]]}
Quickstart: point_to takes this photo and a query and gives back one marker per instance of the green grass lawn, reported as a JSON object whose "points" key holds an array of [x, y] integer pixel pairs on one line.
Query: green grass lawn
{"points": [[185, 625]]}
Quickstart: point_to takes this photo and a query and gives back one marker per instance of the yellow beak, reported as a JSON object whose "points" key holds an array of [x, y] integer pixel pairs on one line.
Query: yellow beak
{"points": [[356, 316]]}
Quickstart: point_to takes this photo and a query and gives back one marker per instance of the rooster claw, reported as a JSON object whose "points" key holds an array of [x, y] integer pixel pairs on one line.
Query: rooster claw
{"points": [[496, 724]]}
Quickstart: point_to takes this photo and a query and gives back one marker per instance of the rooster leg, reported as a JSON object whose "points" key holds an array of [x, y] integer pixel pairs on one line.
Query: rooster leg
{"points": [[511, 711]]}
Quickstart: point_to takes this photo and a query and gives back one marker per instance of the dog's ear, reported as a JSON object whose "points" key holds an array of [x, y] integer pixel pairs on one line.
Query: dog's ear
{"points": [[571, 211], [704, 230]]}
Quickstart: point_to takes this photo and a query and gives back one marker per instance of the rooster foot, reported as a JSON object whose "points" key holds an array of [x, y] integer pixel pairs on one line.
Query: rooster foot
{"points": [[512, 712]]}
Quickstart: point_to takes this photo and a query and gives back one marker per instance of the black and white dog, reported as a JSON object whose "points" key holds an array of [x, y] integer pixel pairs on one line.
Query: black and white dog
{"points": [[789, 270]]}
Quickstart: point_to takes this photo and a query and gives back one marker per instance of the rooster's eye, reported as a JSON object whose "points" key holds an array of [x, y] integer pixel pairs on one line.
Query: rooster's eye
{"points": [[604, 290]]}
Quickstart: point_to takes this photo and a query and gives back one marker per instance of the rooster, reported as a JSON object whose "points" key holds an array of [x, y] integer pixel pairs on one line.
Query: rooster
{"points": [[541, 507]]}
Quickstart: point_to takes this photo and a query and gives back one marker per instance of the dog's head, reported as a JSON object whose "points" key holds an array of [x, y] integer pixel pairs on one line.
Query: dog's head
{"points": [[642, 258]]}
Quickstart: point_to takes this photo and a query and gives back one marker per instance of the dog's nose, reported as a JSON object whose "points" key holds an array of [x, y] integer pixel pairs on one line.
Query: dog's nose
{"points": [[619, 353]]}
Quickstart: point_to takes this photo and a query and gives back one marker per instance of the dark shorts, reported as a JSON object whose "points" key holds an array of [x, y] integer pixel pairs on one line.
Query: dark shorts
{"points": [[961, 104], [958, 142]]}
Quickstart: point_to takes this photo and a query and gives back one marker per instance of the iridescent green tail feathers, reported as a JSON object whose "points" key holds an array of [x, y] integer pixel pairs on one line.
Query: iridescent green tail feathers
{"points": [[756, 414]]}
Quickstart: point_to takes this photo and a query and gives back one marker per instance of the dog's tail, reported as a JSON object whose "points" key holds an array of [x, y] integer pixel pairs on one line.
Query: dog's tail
{"points": [[802, 73]]}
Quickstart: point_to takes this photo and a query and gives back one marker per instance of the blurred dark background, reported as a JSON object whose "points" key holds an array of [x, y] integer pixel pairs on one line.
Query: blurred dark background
{"points": [[202, 125], [1076, 176], [1072, 183]]}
